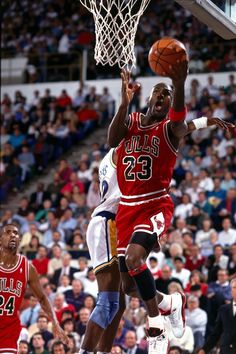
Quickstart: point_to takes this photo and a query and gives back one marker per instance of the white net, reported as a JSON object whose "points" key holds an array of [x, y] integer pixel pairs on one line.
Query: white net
{"points": [[116, 23]]}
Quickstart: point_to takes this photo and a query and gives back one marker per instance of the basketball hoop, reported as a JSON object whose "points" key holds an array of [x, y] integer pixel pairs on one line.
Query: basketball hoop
{"points": [[116, 23]]}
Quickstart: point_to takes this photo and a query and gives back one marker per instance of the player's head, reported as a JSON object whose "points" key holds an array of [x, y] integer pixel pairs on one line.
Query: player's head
{"points": [[159, 101], [10, 238]]}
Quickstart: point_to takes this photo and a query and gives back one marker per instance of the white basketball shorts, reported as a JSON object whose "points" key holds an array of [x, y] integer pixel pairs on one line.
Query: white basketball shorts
{"points": [[102, 241]]}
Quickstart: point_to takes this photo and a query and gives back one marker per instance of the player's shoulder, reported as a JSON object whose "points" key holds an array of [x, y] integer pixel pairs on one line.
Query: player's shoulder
{"points": [[132, 118]]}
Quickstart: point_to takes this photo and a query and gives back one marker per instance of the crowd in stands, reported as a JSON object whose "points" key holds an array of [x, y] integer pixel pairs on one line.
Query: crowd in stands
{"points": [[56, 32], [37, 132], [198, 253]]}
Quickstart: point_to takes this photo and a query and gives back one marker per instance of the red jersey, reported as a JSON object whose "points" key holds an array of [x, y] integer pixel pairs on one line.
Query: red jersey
{"points": [[146, 159], [13, 283]]}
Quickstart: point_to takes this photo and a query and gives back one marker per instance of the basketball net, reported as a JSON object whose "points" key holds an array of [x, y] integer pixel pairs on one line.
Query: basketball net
{"points": [[116, 23]]}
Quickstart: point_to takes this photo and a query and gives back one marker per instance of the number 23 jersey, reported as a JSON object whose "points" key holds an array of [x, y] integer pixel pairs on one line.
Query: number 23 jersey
{"points": [[146, 159]]}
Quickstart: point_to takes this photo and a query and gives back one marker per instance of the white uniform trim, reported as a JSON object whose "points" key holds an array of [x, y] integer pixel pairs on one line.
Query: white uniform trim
{"points": [[144, 201], [142, 195]]}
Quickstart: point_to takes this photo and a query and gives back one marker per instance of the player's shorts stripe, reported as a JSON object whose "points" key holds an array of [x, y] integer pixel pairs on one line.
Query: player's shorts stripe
{"points": [[107, 238], [143, 201], [142, 195], [113, 239], [8, 350], [142, 225], [105, 264]]}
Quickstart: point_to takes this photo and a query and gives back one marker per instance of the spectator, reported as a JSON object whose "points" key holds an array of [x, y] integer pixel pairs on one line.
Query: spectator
{"points": [[30, 314], [23, 347], [221, 287], [76, 295], [60, 306], [227, 236], [89, 282], [195, 260], [58, 347], [131, 345], [42, 325], [41, 260], [180, 272], [215, 262], [224, 328], [82, 321], [196, 318], [66, 269], [37, 198], [55, 261], [135, 313], [64, 284], [38, 344], [196, 278], [165, 279]]}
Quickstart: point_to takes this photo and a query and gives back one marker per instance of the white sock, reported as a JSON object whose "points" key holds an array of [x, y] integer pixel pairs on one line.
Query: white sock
{"points": [[156, 322], [82, 351], [165, 304]]}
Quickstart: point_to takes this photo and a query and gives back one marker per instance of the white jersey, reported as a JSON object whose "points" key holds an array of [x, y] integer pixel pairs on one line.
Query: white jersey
{"points": [[110, 193]]}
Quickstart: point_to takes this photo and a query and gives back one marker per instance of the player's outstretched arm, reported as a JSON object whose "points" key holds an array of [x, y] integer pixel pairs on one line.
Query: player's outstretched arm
{"points": [[46, 306], [177, 112], [118, 128], [204, 122]]}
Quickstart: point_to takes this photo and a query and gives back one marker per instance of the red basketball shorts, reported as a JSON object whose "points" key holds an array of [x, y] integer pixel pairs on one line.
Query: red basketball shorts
{"points": [[151, 217], [8, 339]]}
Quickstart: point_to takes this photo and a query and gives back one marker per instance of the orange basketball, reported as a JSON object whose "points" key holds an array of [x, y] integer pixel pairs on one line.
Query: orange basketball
{"points": [[164, 54]]}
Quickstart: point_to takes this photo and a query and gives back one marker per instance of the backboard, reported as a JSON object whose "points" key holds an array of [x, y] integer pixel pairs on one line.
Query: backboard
{"points": [[220, 15]]}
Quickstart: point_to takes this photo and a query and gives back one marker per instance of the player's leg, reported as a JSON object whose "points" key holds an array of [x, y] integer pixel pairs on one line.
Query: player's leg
{"points": [[101, 240], [107, 339], [106, 309]]}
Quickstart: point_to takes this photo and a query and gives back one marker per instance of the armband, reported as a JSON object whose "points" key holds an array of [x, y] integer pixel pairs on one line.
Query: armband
{"points": [[177, 116], [200, 122]]}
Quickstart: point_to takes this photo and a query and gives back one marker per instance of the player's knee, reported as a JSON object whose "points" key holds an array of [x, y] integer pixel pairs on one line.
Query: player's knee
{"points": [[106, 308], [132, 260]]}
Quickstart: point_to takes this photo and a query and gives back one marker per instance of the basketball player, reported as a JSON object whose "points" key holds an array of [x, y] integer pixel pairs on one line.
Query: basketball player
{"points": [[15, 273], [147, 151], [101, 241]]}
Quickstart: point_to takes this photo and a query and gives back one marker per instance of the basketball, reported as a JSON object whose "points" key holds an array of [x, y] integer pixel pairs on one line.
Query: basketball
{"points": [[164, 54]]}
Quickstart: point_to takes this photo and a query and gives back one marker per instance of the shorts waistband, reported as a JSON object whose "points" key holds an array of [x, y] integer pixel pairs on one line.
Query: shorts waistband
{"points": [[132, 200], [106, 214]]}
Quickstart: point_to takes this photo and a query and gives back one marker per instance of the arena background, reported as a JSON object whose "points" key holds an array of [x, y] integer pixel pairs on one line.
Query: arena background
{"points": [[56, 105]]}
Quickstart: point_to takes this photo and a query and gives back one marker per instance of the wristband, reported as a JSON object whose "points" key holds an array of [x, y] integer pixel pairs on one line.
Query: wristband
{"points": [[200, 122], [177, 116]]}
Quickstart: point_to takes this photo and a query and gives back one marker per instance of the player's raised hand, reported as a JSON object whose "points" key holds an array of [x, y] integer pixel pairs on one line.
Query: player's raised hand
{"points": [[179, 72], [220, 123], [59, 333], [127, 89]]}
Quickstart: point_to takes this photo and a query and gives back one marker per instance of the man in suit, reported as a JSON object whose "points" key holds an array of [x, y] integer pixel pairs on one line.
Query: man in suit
{"points": [[131, 344], [66, 269], [225, 327], [39, 196]]}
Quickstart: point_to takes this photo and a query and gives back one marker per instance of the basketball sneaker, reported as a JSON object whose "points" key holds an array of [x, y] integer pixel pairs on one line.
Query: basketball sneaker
{"points": [[177, 314], [158, 342]]}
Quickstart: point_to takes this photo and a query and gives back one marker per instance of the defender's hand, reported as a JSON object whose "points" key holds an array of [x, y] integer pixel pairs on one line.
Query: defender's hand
{"points": [[220, 123]]}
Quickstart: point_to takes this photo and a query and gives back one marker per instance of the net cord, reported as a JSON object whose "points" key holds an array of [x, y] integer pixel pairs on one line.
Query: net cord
{"points": [[115, 33]]}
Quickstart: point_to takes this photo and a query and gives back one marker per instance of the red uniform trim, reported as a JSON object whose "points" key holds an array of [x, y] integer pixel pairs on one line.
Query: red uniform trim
{"points": [[136, 271], [177, 116]]}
